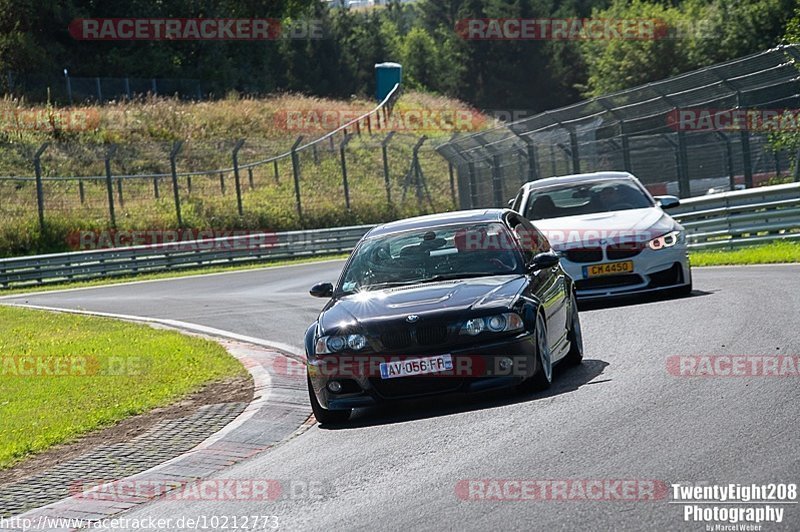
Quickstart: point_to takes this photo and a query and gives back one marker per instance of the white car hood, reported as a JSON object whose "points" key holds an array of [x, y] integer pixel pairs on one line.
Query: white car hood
{"points": [[616, 226]]}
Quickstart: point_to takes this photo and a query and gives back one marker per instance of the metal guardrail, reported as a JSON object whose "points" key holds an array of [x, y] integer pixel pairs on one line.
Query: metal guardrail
{"points": [[741, 218], [727, 220], [85, 265]]}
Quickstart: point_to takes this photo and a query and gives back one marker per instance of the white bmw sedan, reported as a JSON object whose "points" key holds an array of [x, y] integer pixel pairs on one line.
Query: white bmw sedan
{"points": [[614, 237]]}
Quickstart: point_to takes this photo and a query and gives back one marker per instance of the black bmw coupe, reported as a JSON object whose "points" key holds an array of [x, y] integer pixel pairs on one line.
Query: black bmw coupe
{"points": [[457, 302]]}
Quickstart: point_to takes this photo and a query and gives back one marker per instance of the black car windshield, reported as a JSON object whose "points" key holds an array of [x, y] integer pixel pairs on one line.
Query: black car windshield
{"points": [[432, 254], [587, 197]]}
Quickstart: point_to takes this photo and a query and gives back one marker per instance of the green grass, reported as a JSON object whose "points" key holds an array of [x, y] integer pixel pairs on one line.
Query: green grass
{"points": [[165, 275], [121, 369], [776, 252]]}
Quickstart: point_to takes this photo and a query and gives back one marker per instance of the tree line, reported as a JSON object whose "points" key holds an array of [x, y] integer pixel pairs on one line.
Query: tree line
{"points": [[426, 36]]}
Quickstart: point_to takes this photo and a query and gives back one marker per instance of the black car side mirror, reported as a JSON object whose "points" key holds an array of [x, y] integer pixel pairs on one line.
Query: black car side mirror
{"points": [[321, 290], [667, 202], [542, 261]]}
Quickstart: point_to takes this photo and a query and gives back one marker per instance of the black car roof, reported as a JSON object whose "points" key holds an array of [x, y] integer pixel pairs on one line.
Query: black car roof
{"points": [[434, 220]]}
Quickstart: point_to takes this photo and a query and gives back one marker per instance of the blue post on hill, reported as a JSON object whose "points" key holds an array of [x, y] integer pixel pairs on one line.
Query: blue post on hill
{"points": [[387, 75]]}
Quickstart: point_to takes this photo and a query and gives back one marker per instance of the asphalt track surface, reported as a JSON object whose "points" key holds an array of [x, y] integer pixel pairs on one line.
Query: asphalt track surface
{"points": [[621, 415]]}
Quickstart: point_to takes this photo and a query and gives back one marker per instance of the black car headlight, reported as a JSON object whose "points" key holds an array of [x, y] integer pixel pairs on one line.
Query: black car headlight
{"points": [[508, 322], [666, 241], [335, 344]]}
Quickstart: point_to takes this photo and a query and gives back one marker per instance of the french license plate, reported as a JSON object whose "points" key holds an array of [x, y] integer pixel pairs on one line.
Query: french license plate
{"points": [[608, 268], [416, 366]]}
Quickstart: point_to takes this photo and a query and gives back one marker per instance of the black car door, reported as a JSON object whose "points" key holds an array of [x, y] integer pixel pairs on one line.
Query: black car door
{"points": [[548, 285]]}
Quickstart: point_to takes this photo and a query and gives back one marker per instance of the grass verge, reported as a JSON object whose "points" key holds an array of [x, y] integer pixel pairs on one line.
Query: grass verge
{"points": [[164, 275], [64, 375], [775, 252]]}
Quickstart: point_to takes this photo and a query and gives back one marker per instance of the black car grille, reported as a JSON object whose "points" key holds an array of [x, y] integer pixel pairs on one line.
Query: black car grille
{"points": [[415, 386], [607, 281], [425, 335], [432, 335], [396, 339], [584, 254], [623, 250]]}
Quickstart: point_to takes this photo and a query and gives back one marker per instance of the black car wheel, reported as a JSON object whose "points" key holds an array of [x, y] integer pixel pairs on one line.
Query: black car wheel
{"points": [[575, 353], [544, 372], [323, 415]]}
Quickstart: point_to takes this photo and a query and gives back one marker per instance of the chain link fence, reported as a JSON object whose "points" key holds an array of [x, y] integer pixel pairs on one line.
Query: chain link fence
{"points": [[363, 172], [688, 135], [74, 90]]}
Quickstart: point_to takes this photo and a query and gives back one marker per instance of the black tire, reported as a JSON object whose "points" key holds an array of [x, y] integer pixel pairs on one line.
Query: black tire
{"points": [[325, 416], [543, 376], [574, 335]]}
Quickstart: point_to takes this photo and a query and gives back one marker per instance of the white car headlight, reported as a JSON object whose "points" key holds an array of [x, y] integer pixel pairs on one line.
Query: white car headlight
{"points": [[334, 344], [510, 321], [666, 241]]}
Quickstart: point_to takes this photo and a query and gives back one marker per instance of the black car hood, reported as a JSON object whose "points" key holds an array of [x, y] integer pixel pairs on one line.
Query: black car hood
{"points": [[424, 300]]}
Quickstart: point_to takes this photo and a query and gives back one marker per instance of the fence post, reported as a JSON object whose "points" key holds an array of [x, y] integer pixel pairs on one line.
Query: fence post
{"points": [[386, 178], [222, 183], [173, 155], [576, 159], [342, 148], [81, 191], [626, 148], [452, 183], [684, 187], [296, 174], [473, 186], [418, 179], [744, 135], [37, 166], [728, 160], [797, 166], [110, 184], [533, 164], [155, 186], [119, 192], [250, 178], [275, 167], [236, 148], [69, 86], [497, 181], [99, 90]]}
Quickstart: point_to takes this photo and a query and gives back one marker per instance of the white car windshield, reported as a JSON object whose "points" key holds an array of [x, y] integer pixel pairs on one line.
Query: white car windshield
{"points": [[587, 197]]}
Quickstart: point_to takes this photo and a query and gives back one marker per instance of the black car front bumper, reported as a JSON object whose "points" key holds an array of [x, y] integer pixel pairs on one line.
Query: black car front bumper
{"points": [[475, 368]]}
